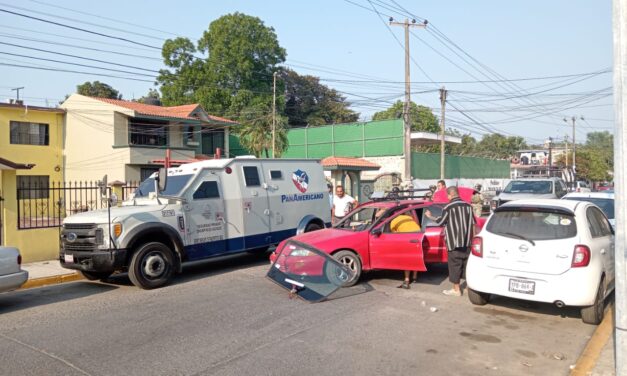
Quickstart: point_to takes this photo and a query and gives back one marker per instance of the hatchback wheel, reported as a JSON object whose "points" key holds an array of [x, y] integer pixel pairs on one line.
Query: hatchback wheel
{"points": [[478, 298], [594, 313]]}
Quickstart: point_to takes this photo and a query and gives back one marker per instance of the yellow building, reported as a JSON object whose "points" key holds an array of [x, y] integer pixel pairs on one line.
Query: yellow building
{"points": [[31, 148]]}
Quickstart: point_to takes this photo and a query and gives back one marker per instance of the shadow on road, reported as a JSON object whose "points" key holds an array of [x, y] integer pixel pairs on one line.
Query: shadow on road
{"points": [[196, 270], [35, 297], [436, 274]]}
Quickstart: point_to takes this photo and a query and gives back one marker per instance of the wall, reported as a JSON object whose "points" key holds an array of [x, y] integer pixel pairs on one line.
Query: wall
{"points": [[427, 166]]}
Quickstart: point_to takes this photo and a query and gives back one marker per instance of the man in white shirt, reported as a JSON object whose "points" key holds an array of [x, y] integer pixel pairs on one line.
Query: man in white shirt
{"points": [[342, 204]]}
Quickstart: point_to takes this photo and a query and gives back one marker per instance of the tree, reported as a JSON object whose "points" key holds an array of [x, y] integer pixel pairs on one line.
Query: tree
{"points": [[498, 146], [255, 132], [241, 56], [152, 96], [98, 89], [309, 103], [420, 117], [603, 144], [591, 164]]}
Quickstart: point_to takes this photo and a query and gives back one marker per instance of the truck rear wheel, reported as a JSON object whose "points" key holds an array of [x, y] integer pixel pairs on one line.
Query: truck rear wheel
{"points": [[152, 266], [313, 227]]}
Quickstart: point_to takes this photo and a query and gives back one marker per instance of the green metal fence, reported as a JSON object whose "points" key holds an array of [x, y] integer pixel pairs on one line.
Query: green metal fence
{"points": [[427, 166]]}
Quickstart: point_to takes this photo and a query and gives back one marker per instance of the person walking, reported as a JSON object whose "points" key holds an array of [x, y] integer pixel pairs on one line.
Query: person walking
{"points": [[342, 204], [458, 220]]}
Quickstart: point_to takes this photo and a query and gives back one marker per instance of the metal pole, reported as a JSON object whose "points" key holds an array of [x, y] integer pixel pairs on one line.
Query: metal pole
{"points": [[273, 113], [442, 127], [574, 152], [620, 145]]}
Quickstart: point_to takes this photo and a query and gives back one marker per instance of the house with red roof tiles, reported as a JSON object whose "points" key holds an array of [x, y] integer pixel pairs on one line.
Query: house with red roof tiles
{"points": [[127, 140]]}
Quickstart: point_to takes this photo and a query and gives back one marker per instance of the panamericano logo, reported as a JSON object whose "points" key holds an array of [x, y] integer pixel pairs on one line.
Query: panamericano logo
{"points": [[301, 180]]}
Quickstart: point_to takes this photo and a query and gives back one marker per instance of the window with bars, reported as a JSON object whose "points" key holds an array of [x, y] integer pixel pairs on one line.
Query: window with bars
{"points": [[25, 133], [33, 187], [148, 132]]}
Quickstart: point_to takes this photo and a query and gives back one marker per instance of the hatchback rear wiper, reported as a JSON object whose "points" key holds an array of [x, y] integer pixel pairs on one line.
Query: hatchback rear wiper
{"points": [[517, 236]]}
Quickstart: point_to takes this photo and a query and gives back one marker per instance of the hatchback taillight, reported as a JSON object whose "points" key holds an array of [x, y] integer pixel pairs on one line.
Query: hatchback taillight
{"points": [[581, 256], [19, 259], [477, 246]]}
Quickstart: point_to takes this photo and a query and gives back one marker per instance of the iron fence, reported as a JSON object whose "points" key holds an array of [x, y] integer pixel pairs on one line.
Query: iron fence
{"points": [[42, 207]]}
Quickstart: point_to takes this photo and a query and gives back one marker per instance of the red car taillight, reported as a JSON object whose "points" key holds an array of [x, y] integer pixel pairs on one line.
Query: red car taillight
{"points": [[477, 246], [19, 259], [581, 256]]}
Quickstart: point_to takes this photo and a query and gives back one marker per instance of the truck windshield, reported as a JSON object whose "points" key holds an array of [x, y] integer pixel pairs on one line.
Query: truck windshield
{"points": [[173, 188]]}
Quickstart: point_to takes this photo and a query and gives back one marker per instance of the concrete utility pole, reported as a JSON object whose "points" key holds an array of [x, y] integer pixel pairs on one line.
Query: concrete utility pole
{"points": [[443, 109], [620, 145], [574, 119], [273, 113], [406, 107]]}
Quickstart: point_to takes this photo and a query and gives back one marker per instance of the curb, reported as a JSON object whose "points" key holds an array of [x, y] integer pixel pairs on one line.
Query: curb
{"points": [[588, 357], [53, 280]]}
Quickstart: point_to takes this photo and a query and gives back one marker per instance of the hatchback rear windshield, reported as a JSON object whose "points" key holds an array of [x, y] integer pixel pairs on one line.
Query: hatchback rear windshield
{"points": [[539, 187], [534, 225]]}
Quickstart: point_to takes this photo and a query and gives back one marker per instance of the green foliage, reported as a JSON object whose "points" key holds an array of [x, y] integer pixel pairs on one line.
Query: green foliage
{"points": [[499, 146], [591, 164], [421, 118], [152, 95], [242, 55], [309, 103], [98, 89], [603, 144], [255, 133]]}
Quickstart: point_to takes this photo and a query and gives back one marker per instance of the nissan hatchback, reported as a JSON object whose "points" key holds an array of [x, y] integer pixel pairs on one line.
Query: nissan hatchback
{"points": [[552, 251]]}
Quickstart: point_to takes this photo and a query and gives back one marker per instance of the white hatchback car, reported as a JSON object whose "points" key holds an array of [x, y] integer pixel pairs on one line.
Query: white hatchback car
{"points": [[552, 251]]}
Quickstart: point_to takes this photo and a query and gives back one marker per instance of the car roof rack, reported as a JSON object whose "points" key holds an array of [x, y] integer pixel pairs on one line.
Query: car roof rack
{"points": [[399, 194]]}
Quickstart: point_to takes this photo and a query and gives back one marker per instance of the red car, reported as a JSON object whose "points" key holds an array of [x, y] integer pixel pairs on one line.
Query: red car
{"points": [[369, 237]]}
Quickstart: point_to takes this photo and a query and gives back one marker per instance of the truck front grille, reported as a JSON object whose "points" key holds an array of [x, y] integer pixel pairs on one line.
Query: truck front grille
{"points": [[80, 237]]}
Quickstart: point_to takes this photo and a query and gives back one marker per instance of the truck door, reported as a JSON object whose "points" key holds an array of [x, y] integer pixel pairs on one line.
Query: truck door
{"points": [[255, 208], [398, 244], [205, 219]]}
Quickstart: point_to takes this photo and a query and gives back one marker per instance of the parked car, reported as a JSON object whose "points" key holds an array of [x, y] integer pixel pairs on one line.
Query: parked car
{"points": [[604, 186], [552, 251], [11, 274], [365, 239], [530, 188], [604, 200], [581, 186]]}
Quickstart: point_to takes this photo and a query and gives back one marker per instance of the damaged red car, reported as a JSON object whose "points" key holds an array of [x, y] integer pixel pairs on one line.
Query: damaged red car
{"points": [[391, 233]]}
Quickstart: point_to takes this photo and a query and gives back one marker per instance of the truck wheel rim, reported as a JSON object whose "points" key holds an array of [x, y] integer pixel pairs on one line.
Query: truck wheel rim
{"points": [[153, 265]]}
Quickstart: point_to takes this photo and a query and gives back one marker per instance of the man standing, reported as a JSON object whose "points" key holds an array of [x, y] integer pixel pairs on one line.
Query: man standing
{"points": [[441, 184], [477, 201], [458, 220], [342, 204]]}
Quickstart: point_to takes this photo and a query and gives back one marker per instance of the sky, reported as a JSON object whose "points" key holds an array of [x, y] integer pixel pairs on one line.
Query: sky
{"points": [[516, 68]]}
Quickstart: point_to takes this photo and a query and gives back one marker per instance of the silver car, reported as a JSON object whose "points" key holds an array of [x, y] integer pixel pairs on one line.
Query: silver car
{"points": [[530, 188], [11, 274]]}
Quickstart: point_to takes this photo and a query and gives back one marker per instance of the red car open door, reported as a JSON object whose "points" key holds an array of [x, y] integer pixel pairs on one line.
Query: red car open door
{"points": [[397, 250]]}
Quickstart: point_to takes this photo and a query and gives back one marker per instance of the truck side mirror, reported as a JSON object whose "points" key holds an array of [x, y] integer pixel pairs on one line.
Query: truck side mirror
{"points": [[162, 179]]}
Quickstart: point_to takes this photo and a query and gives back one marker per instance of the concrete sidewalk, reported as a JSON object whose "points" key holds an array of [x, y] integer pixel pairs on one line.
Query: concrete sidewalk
{"points": [[44, 273]]}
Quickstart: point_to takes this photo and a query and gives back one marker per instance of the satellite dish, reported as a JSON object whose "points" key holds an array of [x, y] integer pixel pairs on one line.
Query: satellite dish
{"points": [[103, 186]]}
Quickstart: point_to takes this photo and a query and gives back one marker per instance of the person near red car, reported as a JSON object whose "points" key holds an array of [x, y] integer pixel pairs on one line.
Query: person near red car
{"points": [[459, 222], [342, 204]]}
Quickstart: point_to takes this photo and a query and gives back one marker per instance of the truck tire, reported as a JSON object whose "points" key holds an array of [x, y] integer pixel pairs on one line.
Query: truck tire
{"points": [[94, 276], [152, 266], [352, 261], [478, 298], [594, 313]]}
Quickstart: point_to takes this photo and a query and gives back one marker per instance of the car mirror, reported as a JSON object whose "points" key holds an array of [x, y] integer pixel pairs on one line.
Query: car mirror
{"points": [[376, 232]]}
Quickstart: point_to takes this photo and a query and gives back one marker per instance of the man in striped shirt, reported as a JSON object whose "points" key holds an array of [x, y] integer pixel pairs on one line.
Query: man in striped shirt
{"points": [[458, 220]]}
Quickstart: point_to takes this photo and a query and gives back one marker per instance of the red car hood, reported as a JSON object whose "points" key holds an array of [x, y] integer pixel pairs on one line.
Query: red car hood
{"points": [[329, 239]]}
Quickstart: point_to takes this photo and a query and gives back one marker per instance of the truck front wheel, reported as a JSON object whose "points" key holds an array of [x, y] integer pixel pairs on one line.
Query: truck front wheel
{"points": [[152, 266]]}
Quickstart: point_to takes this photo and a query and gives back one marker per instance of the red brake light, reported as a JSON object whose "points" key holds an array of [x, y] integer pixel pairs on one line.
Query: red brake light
{"points": [[19, 259], [581, 256], [477, 246]]}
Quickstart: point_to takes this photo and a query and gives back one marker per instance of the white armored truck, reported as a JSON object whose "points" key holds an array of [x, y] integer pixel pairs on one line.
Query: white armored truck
{"points": [[197, 211]]}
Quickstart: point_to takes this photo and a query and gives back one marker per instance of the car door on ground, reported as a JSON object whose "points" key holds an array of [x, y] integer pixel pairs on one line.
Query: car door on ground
{"points": [[397, 243]]}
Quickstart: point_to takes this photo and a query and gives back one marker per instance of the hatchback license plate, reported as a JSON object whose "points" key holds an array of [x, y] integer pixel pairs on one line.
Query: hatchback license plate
{"points": [[522, 286], [68, 258]]}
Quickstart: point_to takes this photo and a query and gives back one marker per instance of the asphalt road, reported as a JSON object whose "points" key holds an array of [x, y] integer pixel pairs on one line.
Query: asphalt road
{"points": [[225, 318]]}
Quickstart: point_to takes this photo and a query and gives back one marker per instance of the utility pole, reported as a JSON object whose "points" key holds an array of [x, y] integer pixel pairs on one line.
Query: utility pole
{"points": [[619, 12], [17, 89], [406, 107], [574, 119], [566, 149], [273, 114], [443, 109]]}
